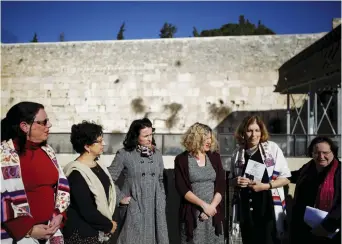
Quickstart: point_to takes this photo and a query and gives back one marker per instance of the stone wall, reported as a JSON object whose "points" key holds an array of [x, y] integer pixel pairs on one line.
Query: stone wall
{"points": [[175, 82]]}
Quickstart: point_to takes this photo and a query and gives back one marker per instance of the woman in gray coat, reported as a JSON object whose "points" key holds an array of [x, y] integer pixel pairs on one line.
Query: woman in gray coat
{"points": [[143, 189]]}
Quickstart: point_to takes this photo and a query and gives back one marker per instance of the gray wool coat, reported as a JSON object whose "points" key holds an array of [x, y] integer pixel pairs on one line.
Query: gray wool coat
{"points": [[145, 221]]}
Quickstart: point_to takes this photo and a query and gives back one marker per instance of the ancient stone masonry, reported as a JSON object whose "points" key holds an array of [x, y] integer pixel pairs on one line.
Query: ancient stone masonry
{"points": [[175, 82]]}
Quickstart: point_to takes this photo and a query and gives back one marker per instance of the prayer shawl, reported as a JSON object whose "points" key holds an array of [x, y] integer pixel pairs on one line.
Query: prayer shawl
{"points": [[105, 207], [13, 196], [276, 166]]}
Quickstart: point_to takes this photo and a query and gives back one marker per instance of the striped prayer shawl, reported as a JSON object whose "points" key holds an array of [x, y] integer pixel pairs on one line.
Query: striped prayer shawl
{"points": [[276, 166], [14, 201]]}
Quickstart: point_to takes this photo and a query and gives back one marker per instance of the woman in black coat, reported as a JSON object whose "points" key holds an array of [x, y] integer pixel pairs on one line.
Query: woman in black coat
{"points": [[318, 185]]}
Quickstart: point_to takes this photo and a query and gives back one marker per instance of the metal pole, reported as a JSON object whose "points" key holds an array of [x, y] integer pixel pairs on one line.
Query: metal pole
{"points": [[308, 120], [339, 120], [288, 126], [315, 111]]}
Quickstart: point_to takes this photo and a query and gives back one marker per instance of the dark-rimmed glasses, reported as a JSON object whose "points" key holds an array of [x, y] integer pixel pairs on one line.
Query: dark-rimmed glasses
{"points": [[319, 153], [42, 122]]}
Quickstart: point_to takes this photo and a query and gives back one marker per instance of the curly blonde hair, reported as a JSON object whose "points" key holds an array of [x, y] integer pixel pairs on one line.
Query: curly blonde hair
{"points": [[194, 138], [240, 132]]}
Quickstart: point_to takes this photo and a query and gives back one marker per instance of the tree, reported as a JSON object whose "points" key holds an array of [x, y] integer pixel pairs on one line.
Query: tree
{"points": [[61, 37], [195, 32], [243, 28], [35, 38], [168, 31], [120, 35]]}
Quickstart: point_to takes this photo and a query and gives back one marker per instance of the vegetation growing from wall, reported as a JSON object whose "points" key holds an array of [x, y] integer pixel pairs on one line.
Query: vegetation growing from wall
{"points": [[137, 105], [172, 120], [219, 112]]}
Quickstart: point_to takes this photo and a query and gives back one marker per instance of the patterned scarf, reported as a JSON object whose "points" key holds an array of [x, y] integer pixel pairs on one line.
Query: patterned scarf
{"points": [[265, 153], [326, 189], [145, 151]]}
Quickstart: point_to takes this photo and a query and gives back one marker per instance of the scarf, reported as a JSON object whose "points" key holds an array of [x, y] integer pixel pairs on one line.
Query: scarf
{"points": [[145, 151], [325, 195], [105, 207], [14, 201], [275, 163]]}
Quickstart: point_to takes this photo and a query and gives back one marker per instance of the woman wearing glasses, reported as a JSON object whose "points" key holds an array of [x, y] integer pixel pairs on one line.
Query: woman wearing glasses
{"points": [[318, 185], [92, 191], [34, 190], [143, 190]]}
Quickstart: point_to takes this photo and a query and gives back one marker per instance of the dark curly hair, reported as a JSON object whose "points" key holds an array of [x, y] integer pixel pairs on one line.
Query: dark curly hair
{"points": [[131, 139], [320, 139], [84, 134], [10, 125]]}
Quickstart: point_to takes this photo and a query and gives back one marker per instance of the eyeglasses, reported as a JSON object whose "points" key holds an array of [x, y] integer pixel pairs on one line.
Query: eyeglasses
{"points": [[319, 153], [100, 141], [42, 122]]}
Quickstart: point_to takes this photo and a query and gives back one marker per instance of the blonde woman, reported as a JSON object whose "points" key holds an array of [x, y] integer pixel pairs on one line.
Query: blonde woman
{"points": [[200, 181]]}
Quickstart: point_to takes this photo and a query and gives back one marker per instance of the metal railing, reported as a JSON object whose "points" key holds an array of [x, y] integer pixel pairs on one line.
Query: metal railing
{"points": [[169, 144]]}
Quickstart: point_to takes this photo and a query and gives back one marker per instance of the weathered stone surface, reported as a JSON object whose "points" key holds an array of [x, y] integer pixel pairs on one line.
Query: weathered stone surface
{"points": [[98, 80]]}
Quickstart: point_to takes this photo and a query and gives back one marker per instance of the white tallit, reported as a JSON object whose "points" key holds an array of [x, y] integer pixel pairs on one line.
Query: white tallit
{"points": [[106, 208], [271, 155]]}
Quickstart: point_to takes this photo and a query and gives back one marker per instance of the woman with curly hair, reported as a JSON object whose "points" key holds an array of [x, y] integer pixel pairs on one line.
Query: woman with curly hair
{"points": [[200, 181], [142, 194], [90, 216]]}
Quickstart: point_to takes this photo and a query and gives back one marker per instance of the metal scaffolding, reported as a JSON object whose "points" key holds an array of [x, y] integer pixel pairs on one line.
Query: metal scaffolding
{"points": [[316, 73]]}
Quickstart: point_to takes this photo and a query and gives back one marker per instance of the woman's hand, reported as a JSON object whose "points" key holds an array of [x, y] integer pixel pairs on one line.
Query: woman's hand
{"points": [[242, 181], [209, 209], [41, 232], [320, 231], [125, 200], [115, 225], [55, 223], [203, 217], [258, 186]]}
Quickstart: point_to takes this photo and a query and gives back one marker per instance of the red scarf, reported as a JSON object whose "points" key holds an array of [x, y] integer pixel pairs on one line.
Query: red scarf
{"points": [[325, 196]]}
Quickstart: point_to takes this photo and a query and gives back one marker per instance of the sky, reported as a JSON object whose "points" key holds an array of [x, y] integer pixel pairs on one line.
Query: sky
{"points": [[90, 21]]}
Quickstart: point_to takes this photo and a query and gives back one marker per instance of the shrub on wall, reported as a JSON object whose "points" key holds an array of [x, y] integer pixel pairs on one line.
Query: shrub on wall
{"points": [[137, 105], [174, 108], [219, 112]]}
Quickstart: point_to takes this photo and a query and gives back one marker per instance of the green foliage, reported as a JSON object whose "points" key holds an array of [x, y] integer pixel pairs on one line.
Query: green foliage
{"points": [[120, 35], [243, 28], [172, 120], [195, 32], [137, 105], [168, 31], [219, 112], [35, 38], [61, 37]]}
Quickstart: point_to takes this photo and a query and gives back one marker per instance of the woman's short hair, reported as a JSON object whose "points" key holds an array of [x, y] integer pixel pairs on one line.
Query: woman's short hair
{"points": [[194, 138], [320, 139], [85, 133], [240, 132], [131, 139], [10, 125]]}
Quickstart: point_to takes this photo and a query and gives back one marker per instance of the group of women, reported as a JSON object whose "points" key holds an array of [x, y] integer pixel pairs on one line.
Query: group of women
{"points": [[43, 203]]}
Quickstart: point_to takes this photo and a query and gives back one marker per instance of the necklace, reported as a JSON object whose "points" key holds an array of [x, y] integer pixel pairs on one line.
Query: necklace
{"points": [[251, 151]]}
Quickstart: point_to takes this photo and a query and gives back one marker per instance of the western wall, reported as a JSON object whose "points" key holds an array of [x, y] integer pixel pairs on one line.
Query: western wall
{"points": [[175, 82]]}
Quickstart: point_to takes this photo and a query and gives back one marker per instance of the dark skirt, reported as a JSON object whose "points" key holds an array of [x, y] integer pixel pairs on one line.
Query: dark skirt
{"points": [[76, 238]]}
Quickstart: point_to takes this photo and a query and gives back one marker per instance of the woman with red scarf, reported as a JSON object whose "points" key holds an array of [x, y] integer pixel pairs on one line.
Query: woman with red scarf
{"points": [[318, 185]]}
